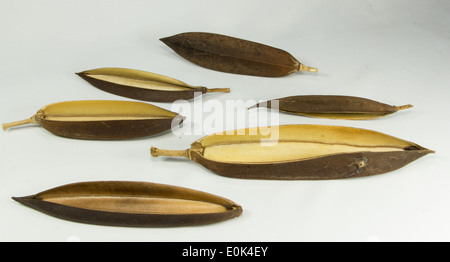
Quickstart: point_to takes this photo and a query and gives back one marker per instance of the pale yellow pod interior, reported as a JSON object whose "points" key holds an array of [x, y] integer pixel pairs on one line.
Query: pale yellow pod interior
{"points": [[137, 78], [295, 142], [139, 205], [92, 110]]}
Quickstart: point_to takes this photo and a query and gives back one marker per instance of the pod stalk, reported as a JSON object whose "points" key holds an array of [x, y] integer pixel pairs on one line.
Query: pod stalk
{"points": [[307, 68], [30, 120], [403, 107], [155, 152], [213, 90]]}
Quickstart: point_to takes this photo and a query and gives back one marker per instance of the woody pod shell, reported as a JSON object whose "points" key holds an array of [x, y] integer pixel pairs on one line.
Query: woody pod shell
{"points": [[132, 204]]}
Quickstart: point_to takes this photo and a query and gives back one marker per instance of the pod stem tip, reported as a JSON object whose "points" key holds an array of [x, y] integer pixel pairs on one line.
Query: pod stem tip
{"points": [[212, 90], [155, 152], [308, 68], [30, 120], [403, 107]]}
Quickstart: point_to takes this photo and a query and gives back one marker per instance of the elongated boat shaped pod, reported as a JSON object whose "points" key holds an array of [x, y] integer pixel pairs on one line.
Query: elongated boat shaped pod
{"points": [[233, 55], [132, 204], [333, 107], [102, 119], [141, 85], [300, 152]]}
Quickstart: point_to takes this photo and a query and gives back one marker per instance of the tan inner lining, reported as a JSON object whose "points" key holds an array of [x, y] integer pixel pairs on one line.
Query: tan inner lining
{"points": [[101, 110], [145, 84], [255, 152], [102, 118], [140, 205]]}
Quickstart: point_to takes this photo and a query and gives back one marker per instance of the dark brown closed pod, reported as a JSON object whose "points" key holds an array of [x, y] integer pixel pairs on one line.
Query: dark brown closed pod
{"points": [[234, 55]]}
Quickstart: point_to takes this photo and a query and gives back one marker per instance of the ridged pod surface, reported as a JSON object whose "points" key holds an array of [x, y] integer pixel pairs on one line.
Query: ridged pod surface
{"points": [[333, 107], [234, 55]]}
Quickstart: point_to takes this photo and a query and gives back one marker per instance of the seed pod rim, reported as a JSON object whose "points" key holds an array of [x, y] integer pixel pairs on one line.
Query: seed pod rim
{"points": [[104, 129], [322, 167], [132, 189], [148, 93]]}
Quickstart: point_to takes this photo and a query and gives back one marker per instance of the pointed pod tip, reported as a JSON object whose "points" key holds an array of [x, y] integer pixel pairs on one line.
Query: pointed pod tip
{"points": [[163, 39], [181, 118], [253, 106], [20, 199]]}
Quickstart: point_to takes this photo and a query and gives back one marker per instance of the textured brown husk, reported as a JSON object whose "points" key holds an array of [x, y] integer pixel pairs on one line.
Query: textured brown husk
{"points": [[322, 168], [232, 55], [127, 188], [108, 130], [332, 106]]}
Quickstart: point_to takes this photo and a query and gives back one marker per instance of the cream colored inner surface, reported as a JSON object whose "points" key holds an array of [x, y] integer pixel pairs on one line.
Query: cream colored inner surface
{"points": [[139, 205], [282, 151], [101, 118], [102, 110], [145, 84]]}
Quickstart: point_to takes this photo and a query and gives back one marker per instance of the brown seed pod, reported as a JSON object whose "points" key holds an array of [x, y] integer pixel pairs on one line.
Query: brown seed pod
{"points": [[300, 152], [234, 55], [132, 204], [334, 107], [102, 119], [141, 85]]}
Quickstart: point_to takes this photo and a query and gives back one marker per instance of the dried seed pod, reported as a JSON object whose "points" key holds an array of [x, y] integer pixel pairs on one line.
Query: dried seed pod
{"points": [[300, 152], [334, 107], [132, 204], [143, 85], [102, 119], [234, 55]]}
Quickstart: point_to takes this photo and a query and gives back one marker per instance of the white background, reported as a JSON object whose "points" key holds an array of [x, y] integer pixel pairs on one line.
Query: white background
{"points": [[397, 52]]}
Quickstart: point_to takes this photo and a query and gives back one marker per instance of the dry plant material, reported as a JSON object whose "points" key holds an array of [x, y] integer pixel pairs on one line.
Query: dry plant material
{"points": [[141, 85], [300, 152], [102, 119], [334, 107], [234, 55], [133, 204]]}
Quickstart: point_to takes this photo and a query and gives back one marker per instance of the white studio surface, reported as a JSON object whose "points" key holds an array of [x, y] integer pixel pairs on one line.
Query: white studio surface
{"points": [[396, 52]]}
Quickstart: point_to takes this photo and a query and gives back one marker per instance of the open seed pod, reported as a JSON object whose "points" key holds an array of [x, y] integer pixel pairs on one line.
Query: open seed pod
{"points": [[102, 119], [304, 152], [334, 107], [234, 55], [143, 85], [132, 204]]}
